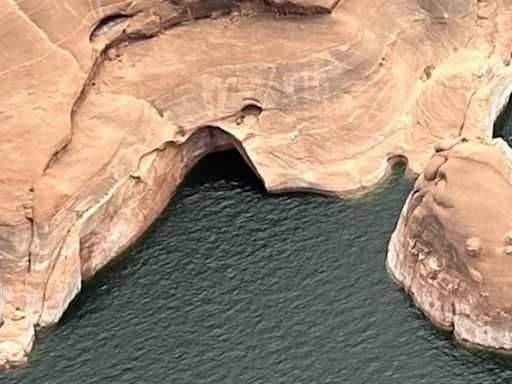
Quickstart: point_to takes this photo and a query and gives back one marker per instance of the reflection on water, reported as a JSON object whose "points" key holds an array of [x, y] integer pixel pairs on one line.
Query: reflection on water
{"points": [[234, 286]]}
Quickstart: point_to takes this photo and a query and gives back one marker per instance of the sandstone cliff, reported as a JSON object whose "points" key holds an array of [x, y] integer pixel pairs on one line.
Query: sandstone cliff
{"points": [[452, 249], [106, 104]]}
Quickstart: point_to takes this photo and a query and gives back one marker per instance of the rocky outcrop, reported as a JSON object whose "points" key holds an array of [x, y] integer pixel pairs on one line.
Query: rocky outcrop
{"points": [[105, 105], [452, 249]]}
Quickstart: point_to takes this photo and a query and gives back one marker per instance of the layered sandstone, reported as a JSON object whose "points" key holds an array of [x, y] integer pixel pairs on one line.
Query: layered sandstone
{"points": [[106, 104], [452, 249]]}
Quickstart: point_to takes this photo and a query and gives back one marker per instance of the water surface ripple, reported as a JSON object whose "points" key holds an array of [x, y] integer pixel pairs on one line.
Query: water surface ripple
{"points": [[234, 286]]}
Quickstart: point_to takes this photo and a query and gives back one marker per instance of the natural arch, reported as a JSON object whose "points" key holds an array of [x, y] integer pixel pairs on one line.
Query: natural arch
{"points": [[338, 89], [503, 124]]}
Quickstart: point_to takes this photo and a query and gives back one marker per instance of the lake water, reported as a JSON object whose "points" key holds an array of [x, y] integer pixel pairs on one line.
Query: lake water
{"points": [[232, 285]]}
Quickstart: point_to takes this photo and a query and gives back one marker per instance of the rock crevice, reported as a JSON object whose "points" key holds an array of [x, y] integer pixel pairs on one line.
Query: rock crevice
{"points": [[113, 111]]}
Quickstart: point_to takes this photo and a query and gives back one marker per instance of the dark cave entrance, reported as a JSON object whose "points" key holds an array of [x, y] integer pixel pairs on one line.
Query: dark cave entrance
{"points": [[228, 165], [503, 124]]}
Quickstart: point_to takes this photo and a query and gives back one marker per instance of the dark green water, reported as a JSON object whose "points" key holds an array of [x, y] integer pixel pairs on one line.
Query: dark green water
{"points": [[234, 286]]}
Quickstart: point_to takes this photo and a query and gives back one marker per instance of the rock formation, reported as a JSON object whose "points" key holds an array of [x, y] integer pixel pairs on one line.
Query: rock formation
{"points": [[106, 104], [452, 249]]}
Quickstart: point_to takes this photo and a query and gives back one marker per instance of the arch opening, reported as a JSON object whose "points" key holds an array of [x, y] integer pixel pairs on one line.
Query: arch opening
{"points": [[503, 124], [216, 140], [106, 24]]}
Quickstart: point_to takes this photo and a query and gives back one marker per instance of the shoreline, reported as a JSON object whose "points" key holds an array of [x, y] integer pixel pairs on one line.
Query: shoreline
{"points": [[329, 112]]}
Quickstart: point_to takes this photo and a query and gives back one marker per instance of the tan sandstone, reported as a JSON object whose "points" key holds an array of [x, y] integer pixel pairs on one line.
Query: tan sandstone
{"points": [[450, 250], [101, 116]]}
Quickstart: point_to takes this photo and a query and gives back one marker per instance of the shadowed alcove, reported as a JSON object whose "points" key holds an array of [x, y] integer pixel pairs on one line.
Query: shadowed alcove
{"points": [[233, 285], [503, 124]]}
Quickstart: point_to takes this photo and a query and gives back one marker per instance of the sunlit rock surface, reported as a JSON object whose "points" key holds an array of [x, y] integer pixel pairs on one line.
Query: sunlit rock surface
{"points": [[106, 104], [452, 249]]}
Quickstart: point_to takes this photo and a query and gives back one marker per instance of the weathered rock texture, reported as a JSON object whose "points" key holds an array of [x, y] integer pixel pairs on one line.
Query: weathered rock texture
{"points": [[106, 104], [452, 249]]}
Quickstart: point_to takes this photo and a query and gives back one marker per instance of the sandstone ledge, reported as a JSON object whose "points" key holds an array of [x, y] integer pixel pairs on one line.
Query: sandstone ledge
{"points": [[113, 101]]}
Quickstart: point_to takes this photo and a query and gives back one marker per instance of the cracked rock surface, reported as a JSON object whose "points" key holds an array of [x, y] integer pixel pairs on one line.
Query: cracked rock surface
{"points": [[452, 249], [106, 104]]}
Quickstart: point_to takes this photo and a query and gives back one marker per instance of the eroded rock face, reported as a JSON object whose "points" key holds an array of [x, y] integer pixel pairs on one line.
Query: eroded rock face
{"points": [[452, 248], [104, 106]]}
